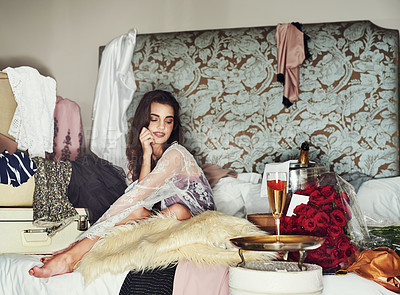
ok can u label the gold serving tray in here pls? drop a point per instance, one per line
(288, 243)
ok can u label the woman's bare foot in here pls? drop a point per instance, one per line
(57, 265)
(63, 262)
(48, 258)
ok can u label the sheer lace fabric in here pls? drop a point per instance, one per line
(176, 179)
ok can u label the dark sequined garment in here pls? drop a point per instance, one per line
(51, 206)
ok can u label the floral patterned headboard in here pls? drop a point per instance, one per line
(232, 111)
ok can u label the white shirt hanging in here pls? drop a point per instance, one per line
(114, 92)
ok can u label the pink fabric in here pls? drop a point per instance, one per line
(69, 141)
(201, 280)
(291, 54)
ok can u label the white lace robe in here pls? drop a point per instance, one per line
(176, 179)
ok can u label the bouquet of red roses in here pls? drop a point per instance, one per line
(332, 212)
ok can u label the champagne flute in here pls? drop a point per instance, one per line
(276, 187)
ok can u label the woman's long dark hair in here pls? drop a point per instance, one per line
(141, 119)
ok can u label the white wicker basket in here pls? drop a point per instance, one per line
(275, 277)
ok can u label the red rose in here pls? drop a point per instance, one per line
(300, 219)
(342, 242)
(321, 250)
(336, 254)
(322, 219)
(321, 232)
(311, 212)
(349, 251)
(327, 208)
(338, 218)
(338, 200)
(331, 197)
(284, 219)
(316, 194)
(308, 224)
(335, 231)
(308, 190)
(329, 241)
(318, 199)
(300, 209)
(288, 225)
(328, 252)
(327, 190)
(313, 257)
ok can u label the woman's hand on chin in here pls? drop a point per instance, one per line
(147, 140)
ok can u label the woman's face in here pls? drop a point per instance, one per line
(161, 121)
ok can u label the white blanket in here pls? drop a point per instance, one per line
(15, 280)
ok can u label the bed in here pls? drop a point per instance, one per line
(233, 117)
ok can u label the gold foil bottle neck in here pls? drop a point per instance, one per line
(303, 158)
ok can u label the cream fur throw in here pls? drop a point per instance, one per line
(161, 240)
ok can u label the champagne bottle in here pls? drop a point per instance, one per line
(303, 158)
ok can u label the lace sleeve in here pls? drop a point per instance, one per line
(171, 164)
(176, 161)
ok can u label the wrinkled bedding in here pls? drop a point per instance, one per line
(14, 279)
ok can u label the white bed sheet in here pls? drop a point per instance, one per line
(351, 284)
(15, 280)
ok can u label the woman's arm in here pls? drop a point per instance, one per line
(170, 164)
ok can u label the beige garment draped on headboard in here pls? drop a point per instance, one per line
(8, 104)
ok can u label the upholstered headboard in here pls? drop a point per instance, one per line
(232, 111)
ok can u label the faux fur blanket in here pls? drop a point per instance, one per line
(162, 240)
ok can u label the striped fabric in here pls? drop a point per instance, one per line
(15, 169)
(158, 281)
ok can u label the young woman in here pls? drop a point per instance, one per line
(167, 179)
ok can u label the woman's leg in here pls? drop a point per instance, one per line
(64, 261)
(180, 211)
(138, 214)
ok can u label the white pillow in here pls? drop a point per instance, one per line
(240, 196)
(251, 193)
(228, 198)
(379, 200)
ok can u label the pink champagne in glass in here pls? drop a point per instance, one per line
(276, 187)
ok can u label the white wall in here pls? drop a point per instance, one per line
(61, 37)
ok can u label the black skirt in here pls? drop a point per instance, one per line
(154, 282)
(95, 184)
